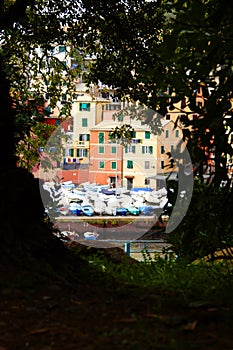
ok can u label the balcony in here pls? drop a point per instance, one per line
(81, 144)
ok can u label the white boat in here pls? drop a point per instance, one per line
(152, 198)
(90, 235)
(75, 208)
(63, 210)
(67, 184)
(99, 207)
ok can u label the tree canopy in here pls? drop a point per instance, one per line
(155, 52)
(159, 53)
(30, 70)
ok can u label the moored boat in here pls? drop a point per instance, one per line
(121, 211)
(90, 235)
(133, 210)
(87, 210)
(75, 209)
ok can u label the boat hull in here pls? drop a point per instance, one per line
(88, 210)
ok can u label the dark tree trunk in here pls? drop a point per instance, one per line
(21, 207)
(7, 126)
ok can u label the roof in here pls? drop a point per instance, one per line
(110, 124)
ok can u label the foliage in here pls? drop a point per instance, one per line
(155, 52)
(212, 282)
(207, 226)
(29, 33)
(159, 53)
(30, 148)
(122, 134)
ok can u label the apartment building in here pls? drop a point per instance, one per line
(136, 164)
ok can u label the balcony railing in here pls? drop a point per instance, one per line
(81, 144)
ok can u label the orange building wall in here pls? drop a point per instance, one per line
(101, 176)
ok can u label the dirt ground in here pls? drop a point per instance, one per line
(88, 311)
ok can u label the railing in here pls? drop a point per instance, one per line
(150, 246)
(81, 143)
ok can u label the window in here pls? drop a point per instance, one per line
(133, 134)
(85, 107)
(113, 165)
(85, 152)
(147, 181)
(84, 122)
(162, 164)
(129, 164)
(52, 49)
(101, 165)
(113, 107)
(166, 133)
(113, 149)
(147, 149)
(147, 164)
(177, 133)
(147, 135)
(172, 148)
(62, 49)
(101, 149)
(130, 149)
(168, 117)
(162, 150)
(84, 137)
(70, 128)
(101, 137)
(71, 152)
(63, 98)
(172, 163)
(82, 152)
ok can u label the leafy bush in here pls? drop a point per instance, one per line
(202, 282)
(207, 227)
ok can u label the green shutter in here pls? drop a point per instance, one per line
(84, 122)
(101, 137)
(133, 134)
(143, 149)
(133, 149)
(129, 164)
(71, 152)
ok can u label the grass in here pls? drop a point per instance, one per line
(200, 282)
